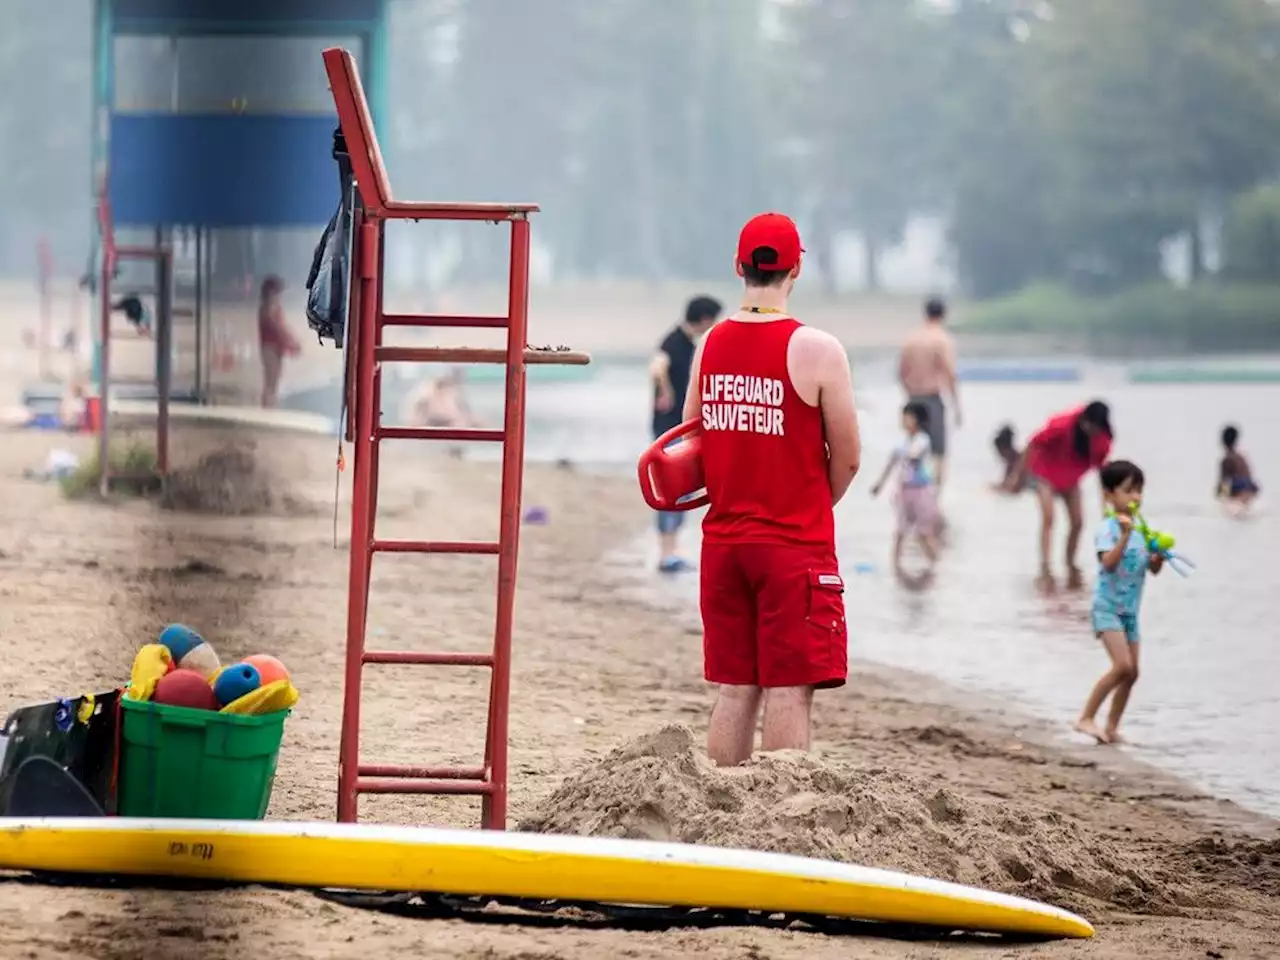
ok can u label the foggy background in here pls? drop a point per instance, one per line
(1092, 162)
(1083, 177)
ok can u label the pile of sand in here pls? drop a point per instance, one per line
(662, 787)
(230, 481)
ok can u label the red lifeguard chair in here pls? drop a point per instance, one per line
(366, 355)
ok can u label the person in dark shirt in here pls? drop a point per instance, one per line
(669, 374)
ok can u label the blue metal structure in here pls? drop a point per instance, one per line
(212, 116)
(209, 117)
(225, 154)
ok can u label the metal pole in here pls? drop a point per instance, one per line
(44, 258)
(494, 812)
(199, 315)
(365, 260)
(104, 369)
(164, 357)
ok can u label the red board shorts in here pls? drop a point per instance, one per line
(773, 616)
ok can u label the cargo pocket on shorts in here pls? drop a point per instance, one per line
(826, 601)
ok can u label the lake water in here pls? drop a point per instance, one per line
(1206, 706)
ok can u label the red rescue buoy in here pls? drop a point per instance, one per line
(671, 470)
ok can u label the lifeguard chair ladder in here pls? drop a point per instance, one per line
(162, 256)
(366, 355)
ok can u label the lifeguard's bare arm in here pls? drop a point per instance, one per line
(839, 417)
(693, 396)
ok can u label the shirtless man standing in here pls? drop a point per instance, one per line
(927, 370)
(780, 447)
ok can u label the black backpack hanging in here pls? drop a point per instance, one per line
(330, 265)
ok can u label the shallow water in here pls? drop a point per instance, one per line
(1206, 705)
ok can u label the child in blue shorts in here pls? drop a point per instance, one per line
(1123, 562)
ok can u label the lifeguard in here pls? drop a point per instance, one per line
(780, 447)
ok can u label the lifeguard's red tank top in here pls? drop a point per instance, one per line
(763, 448)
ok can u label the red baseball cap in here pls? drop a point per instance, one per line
(775, 232)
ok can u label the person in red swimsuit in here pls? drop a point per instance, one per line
(1057, 458)
(275, 340)
(780, 447)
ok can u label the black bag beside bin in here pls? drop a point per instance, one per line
(55, 764)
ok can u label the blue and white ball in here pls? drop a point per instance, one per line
(190, 651)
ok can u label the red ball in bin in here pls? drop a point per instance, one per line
(185, 688)
(269, 668)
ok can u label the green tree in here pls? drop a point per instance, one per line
(671, 136)
(990, 149)
(1251, 237)
(868, 82)
(1154, 110)
(44, 54)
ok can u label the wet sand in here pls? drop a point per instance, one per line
(84, 584)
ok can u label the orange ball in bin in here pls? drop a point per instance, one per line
(270, 669)
(185, 688)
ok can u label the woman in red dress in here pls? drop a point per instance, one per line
(1057, 458)
(275, 340)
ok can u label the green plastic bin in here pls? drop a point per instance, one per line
(181, 762)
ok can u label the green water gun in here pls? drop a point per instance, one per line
(1158, 542)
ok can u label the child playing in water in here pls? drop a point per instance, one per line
(1235, 480)
(916, 500)
(1123, 562)
(1009, 455)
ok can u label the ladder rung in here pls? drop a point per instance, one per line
(456, 787)
(442, 320)
(532, 355)
(435, 546)
(439, 355)
(429, 660)
(439, 433)
(423, 773)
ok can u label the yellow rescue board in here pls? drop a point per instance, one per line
(543, 866)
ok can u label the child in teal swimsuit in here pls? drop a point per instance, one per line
(1123, 563)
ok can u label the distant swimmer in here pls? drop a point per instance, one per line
(669, 372)
(441, 403)
(916, 496)
(927, 371)
(1236, 485)
(1057, 459)
(1124, 561)
(1006, 448)
(780, 447)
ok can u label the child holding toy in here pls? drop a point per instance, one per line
(916, 500)
(1124, 559)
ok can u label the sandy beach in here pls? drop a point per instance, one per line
(607, 717)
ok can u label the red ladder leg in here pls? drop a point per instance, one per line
(364, 309)
(493, 812)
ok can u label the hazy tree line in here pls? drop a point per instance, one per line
(1059, 140)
